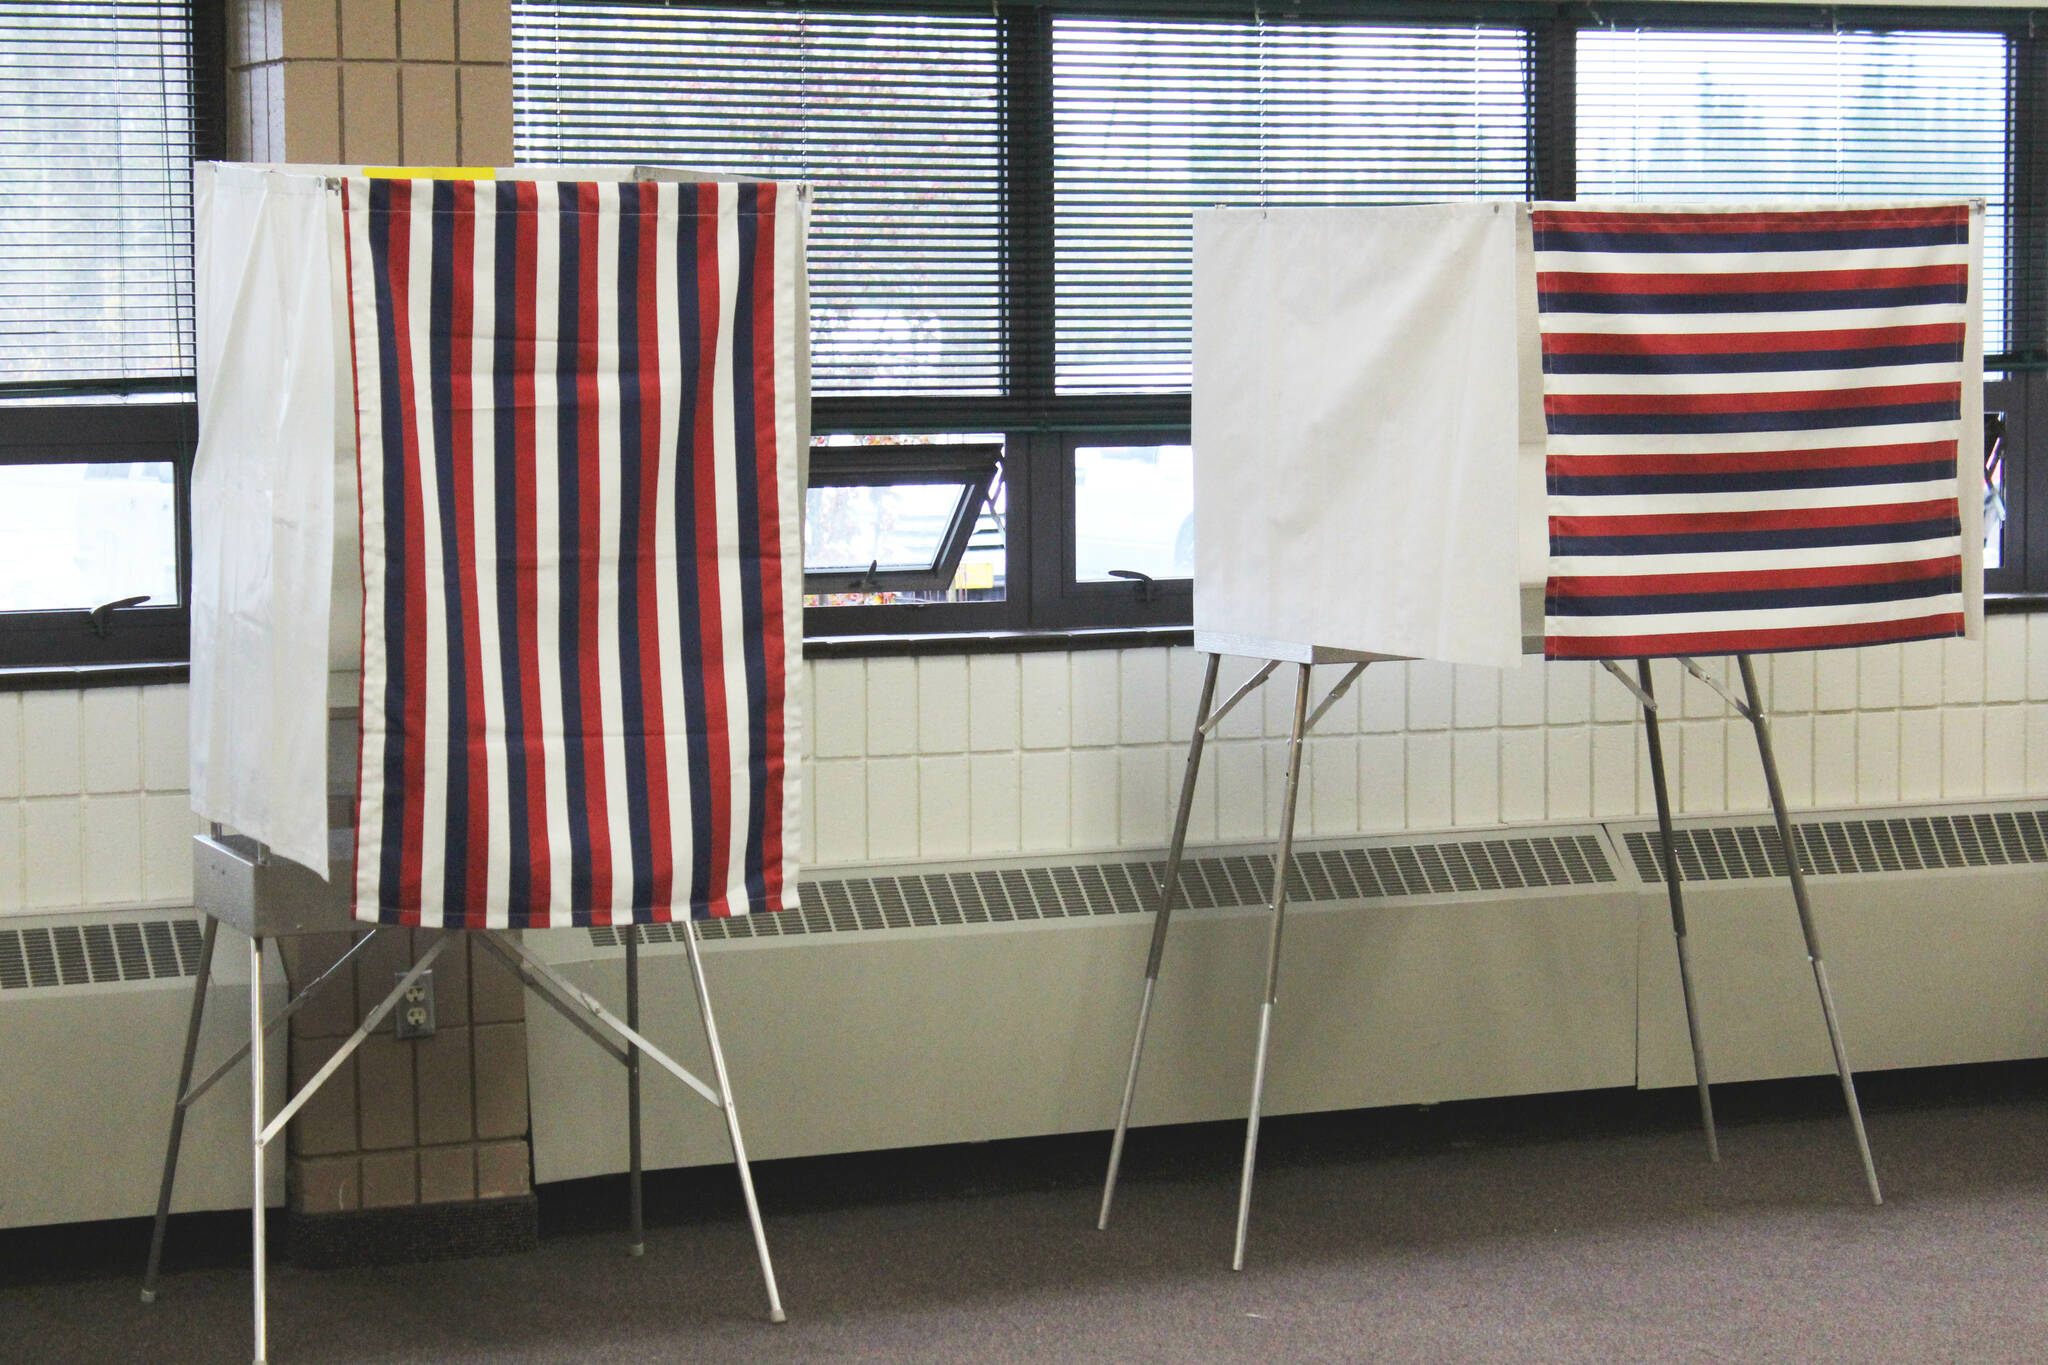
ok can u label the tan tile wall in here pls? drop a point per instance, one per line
(423, 83)
(426, 1121)
(371, 82)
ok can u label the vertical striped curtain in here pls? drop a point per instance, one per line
(1754, 420)
(577, 436)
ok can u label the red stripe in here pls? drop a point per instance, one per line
(590, 356)
(462, 437)
(653, 649)
(1798, 400)
(710, 626)
(1760, 580)
(1937, 626)
(1747, 343)
(1744, 281)
(413, 528)
(1748, 461)
(768, 490)
(1767, 519)
(1595, 220)
(525, 573)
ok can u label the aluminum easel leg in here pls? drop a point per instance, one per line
(258, 1251)
(1674, 891)
(638, 1246)
(1169, 885)
(1797, 875)
(177, 1138)
(732, 1125)
(1287, 807)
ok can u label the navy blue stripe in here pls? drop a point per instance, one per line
(1688, 423)
(440, 335)
(390, 862)
(1755, 362)
(1848, 476)
(632, 703)
(1829, 239)
(568, 492)
(1763, 301)
(1729, 542)
(747, 483)
(690, 626)
(1772, 599)
(505, 490)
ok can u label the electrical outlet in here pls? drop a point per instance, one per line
(414, 1016)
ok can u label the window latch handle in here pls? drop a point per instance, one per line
(102, 625)
(1148, 591)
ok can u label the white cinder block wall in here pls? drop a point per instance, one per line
(952, 757)
(1044, 753)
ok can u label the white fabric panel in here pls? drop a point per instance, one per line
(1970, 461)
(263, 493)
(1355, 429)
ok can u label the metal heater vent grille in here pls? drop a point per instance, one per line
(1912, 843)
(89, 954)
(1007, 895)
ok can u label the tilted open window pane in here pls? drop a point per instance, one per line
(96, 138)
(1757, 116)
(895, 119)
(78, 536)
(893, 524)
(1153, 120)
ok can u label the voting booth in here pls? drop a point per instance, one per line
(497, 574)
(1459, 431)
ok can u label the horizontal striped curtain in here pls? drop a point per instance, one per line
(577, 446)
(1754, 425)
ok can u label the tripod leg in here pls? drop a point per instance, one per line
(732, 1126)
(258, 1251)
(638, 1246)
(177, 1138)
(1287, 807)
(1169, 885)
(1674, 890)
(1806, 925)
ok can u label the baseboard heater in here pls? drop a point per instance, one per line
(960, 1002)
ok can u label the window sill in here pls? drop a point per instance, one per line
(994, 642)
(46, 679)
(2014, 603)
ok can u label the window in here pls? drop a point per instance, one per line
(99, 124)
(1675, 114)
(1001, 240)
(1678, 113)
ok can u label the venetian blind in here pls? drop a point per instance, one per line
(1761, 116)
(896, 119)
(96, 145)
(1152, 120)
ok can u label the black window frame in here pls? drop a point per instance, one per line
(119, 422)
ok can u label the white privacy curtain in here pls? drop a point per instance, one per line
(1355, 429)
(275, 435)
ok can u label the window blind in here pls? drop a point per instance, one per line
(1153, 120)
(1674, 115)
(96, 146)
(896, 119)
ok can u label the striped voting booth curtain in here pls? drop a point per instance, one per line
(575, 443)
(1753, 423)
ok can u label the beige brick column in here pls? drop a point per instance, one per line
(371, 82)
(441, 1122)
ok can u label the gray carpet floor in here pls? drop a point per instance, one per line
(1383, 1237)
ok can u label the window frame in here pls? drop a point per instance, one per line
(973, 466)
(60, 422)
(157, 433)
